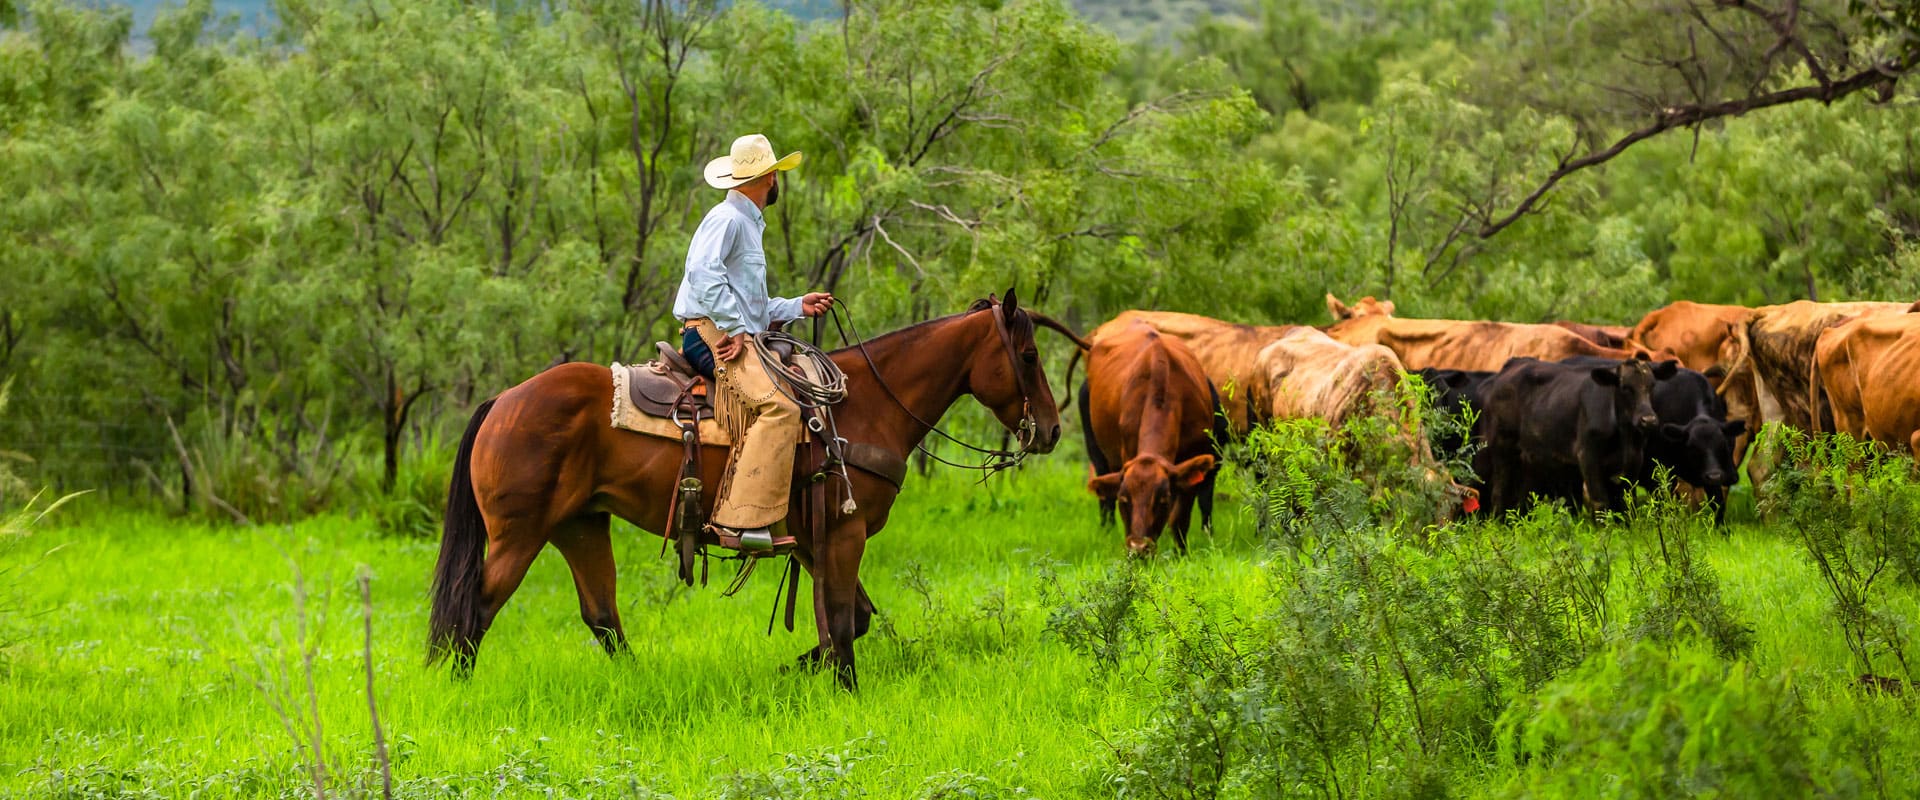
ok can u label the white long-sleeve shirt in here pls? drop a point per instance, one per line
(726, 279)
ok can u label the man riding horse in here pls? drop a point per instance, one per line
(722, 303)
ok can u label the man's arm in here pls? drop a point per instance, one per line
(707, 274)
(784, 309)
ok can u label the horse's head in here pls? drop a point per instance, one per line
(1005, 375)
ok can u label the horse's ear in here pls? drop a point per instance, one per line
(1011, 303)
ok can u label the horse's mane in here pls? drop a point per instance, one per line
(979, 305)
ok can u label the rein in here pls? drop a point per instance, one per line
(996, 459)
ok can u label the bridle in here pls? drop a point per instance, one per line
(996, 459)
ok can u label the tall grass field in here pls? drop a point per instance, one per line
(1018, 654)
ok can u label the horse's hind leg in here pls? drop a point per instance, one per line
(588, 547)
(508, 555)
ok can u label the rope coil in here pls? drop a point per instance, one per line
(802, 387)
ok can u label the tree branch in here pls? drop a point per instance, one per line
(1881, 74)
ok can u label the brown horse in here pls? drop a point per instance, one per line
(541, 464)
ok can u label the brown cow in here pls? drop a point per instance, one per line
(1311, 375)
(1868, 367)
(1692, 332)
(1148, 415)
(1228, 351)
(1455, 344)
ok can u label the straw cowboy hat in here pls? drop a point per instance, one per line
(752, 157)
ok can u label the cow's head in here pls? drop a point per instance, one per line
(1632, 383)
(1147, 490)
(1707, 450)
(1367, 306)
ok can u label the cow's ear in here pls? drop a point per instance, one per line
(1716, 372)
(1735, 428)
(1665, 370)
(1337, 308)
(1106, 486)
(1676, 434)
(1457, 379)
(1605, 376)
(1386, 307)
(1191, 472)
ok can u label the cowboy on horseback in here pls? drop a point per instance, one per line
(722, 304)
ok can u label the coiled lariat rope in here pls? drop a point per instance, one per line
(800, 386)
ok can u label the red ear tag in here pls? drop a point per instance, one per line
(1472, 504)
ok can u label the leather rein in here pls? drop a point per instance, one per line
(996, 459)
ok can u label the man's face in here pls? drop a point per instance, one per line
(773, 187)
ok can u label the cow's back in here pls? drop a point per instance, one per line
(1311, 375)
(1146, 389)
(1226, 352)
(1483, 346)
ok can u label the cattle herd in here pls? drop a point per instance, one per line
(1563, 411)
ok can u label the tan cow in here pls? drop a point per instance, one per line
(1457, 344)
(1311, 375)
(1228, 351)
(1869, 368)
(1775, 350)
(1770, 363)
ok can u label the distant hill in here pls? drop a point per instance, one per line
(1128, 18)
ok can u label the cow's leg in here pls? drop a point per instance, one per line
(1497, 466)
(1205, 496)
(1595, 478)
(1095, 459)
(588, 548)
(1717, 495)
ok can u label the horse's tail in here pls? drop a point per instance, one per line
(455, 619)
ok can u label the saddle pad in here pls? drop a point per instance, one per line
(627, 416)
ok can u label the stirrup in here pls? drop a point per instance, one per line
(757, 542)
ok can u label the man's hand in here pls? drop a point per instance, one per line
(731, 346)
(816, 303)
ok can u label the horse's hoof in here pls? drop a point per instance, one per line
(806, 662)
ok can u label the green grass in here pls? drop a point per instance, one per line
(135, 674)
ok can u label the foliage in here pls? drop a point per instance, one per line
(1652, 722)
(1855, 511)
(1387, 656)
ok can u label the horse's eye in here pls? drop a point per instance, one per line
(1030, 356)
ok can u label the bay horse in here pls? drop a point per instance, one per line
(541, 463)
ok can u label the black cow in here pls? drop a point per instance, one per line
(1454, 391)
(1695, 440)
(1550, 426)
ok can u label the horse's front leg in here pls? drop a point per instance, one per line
(838, 602)
(862, 622)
